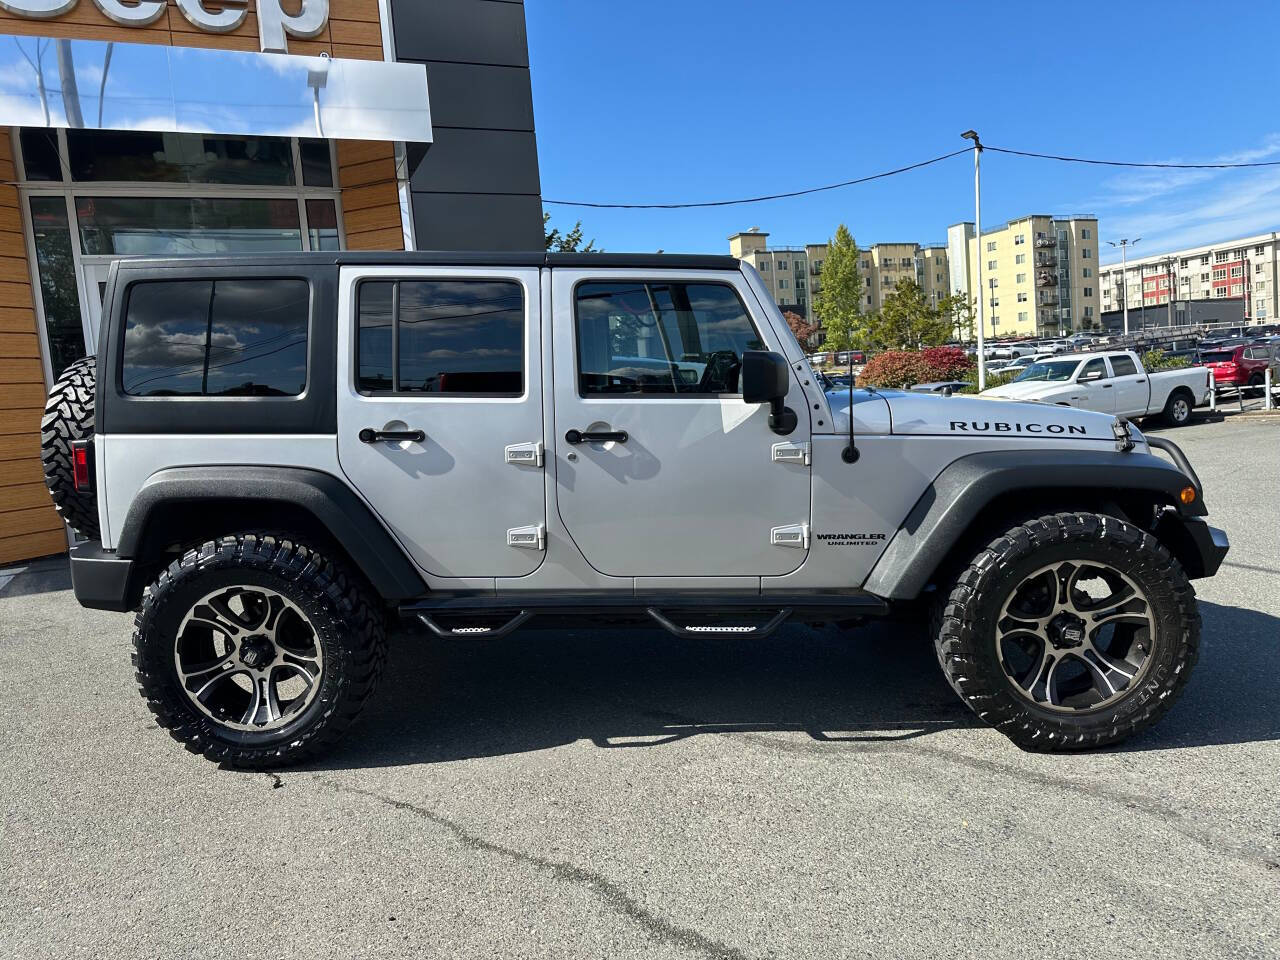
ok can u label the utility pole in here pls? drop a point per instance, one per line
(977, 244)
(1124, 277)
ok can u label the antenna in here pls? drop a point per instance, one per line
(850, 453)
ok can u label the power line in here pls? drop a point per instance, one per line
(773, 196)
(1131, 163)
(915, 166)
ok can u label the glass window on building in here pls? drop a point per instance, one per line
(184, 226)
(59, 294)
(132, 156)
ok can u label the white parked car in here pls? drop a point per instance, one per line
(1113, 382)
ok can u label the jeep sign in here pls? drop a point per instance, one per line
(274, 25)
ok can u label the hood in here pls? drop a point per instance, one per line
(1026, 389)
(926, 414)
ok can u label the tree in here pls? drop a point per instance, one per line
(907, 321)
(963, 313)
(800, 327)
(570, 242)
(838, 303)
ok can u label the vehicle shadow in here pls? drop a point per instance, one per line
(442, 701)
(46, 575)
(635, 688)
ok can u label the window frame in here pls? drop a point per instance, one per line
(738, 292)
(403, 395)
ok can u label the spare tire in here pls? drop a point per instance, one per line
(68, 416)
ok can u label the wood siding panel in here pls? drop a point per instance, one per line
(19, 345)
(374, 195)
(16, 320)
(24, 496)
(21, 420)
(391, 238)
(21, 396)
(21, 370)
(32, 545)
(21, 471)
(19, 447)
(18, 522)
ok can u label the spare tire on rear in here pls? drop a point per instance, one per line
(68, 416)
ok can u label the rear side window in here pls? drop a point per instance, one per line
(1123, 366)
(441, 336)
(661, 337)
(216, 338)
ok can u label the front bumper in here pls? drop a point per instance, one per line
(101, 580)
(1211, 545)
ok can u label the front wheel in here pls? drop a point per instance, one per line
(256, 651)
(1070, 632)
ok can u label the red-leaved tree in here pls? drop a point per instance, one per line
(802, 329)
(904, 368)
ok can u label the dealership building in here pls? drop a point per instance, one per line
(195, 127)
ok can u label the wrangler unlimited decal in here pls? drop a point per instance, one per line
(852, 539)
(987, 426)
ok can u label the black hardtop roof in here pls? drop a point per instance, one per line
(448, 258)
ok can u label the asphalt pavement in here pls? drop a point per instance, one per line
(625, 794)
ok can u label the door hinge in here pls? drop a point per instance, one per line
(532, 537)
(528, 454)
(792, 453)
(792, 535)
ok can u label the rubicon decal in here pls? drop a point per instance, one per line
(994, 426)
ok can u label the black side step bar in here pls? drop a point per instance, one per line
(488, 617)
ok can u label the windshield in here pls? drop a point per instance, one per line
(1048, 370)
(1217, 356)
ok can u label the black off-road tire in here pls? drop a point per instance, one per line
(68, 416)
(1178, 408)
(965, 635)
(348, 628)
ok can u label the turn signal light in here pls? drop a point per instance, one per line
(1187, 495)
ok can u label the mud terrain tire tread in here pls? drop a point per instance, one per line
(342, 604)
(68, 416)
(973, 669)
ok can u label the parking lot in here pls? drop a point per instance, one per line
(594, 794)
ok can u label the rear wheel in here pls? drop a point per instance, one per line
(1070, 632)
(68, 416)
(1177, 411)
(256, 651)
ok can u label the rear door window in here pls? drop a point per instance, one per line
(1123, 366)
(224, 337)
(441, 336)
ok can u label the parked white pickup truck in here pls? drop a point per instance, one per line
(1114, 382)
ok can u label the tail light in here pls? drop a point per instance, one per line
(82, 464)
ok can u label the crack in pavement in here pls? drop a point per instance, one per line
(1206, 838)
(608, 891)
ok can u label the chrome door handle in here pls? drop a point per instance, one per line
(596, 436)
(370, 435)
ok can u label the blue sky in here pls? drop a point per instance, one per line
(661, 101)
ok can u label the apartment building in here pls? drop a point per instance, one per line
(1247, 269)
(1039, 273)
(793, 274)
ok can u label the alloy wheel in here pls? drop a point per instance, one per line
(1075, 636)
(248, 658)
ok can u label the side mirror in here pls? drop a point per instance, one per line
(765, 379)
(1089, 377)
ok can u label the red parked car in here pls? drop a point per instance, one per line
(1242, 365)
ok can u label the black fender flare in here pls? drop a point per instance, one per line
(329, 500)
(967, 485)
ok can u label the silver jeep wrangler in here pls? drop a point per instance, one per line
(271, 458)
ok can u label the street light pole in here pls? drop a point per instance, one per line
(1124, 278)
(977, 244)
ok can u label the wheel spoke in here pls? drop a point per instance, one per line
(1132, 611)
(205, 690)
(200, 669)
(1065, 581)
(216, 613)
(272, 697)
(255, 703)
(1110, 664)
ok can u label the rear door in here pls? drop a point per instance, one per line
(440, 412)
(1132, 387)
(695, 483)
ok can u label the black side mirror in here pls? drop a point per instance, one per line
(765, 379)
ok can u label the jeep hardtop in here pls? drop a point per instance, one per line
(270, 459)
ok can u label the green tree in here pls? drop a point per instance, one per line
(964, 315)
(838, 302)
(570, 242)
(907, 321)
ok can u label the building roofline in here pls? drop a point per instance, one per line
(1272, 236)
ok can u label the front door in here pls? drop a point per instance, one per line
(693, 483)
(440, 412)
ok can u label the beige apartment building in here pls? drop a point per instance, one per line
(1247, 268)
(793, 274)
(1039, 274)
